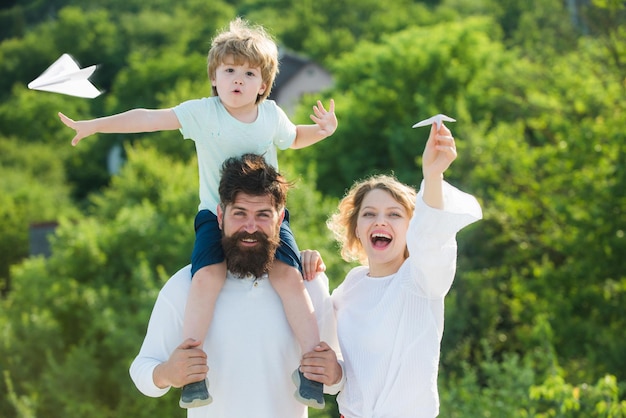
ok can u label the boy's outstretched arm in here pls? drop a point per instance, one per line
(132, 121)
(325, 125)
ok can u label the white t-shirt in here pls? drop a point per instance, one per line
(250, 348)
(390, 328)
(219, 136)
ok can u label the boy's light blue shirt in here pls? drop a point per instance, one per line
(219, 136)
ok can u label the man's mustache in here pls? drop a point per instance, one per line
(254, 236)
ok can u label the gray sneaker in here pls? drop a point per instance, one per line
(308, 392)
(195, 394)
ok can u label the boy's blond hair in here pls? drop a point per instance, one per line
(245, 44)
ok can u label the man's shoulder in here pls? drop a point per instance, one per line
(178, 284)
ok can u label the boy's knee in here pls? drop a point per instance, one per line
(285, 275)
(210, 273)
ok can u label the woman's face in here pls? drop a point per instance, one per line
(381, 227)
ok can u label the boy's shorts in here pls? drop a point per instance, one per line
(207, 249)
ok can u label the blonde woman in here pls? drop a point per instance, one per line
(390, 310)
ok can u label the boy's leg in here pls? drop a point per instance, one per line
(288, 283)
(206, 285)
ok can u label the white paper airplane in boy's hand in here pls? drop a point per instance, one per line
(66, 77)
(435, 119)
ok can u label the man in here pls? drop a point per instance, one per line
(250, 346)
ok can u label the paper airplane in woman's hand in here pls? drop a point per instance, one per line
(66, 77)
(435, 119)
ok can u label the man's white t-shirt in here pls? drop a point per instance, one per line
(250, 348)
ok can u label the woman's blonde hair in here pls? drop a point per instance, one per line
(245, 44)
(343, 222)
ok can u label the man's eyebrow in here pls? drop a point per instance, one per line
(245, 209)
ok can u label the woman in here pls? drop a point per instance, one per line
(390, 309)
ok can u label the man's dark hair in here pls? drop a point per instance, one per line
(252, 175)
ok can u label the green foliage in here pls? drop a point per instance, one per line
(382, 89)
(510, 388)
(556, 398)
(325, 29)
(546, 227)
(309, 210)
(95, 293)
(31, 179)
(490, 389)
(82, 334)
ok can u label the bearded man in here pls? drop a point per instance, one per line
(250, 347)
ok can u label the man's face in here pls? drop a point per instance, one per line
(250, 228)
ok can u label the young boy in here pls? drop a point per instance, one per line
(242, 66)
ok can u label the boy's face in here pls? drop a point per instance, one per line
(238, 85)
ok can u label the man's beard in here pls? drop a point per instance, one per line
(255, 260)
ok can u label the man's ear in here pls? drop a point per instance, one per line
(220, 216)
(281, 216)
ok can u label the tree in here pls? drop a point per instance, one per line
(382, 89)
(31, 178)
(72, 323)
(551, 188)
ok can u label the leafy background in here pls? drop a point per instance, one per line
(535, 319)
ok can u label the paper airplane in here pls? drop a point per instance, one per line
(66, 77)
(435, 119)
